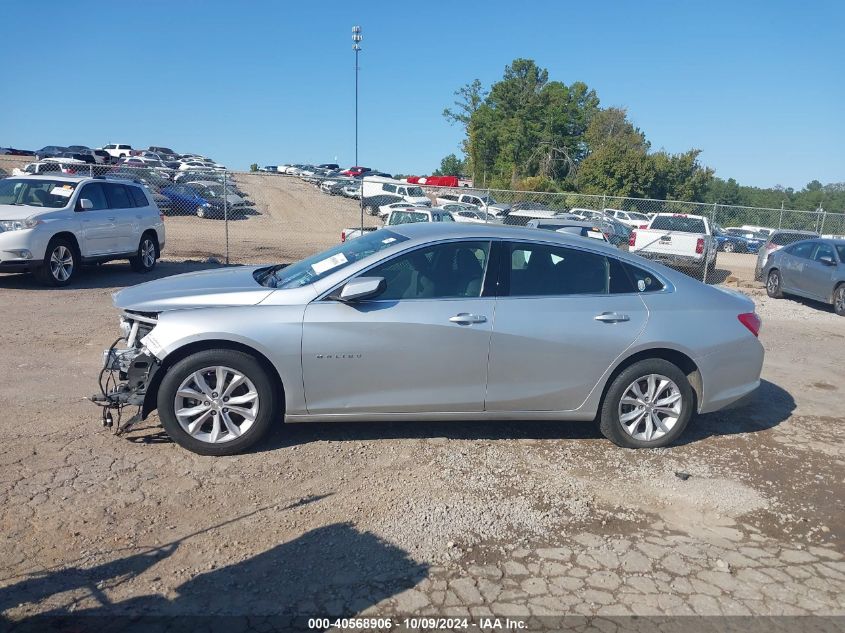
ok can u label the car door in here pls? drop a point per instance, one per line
(123, 216)
(419, 346)
(98, 223)
(563, 316)
(818, 276)
(792, 262)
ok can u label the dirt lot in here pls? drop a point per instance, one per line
(397, 519)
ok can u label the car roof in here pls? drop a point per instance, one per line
(558, 222)
(428, 231)
(53, 176)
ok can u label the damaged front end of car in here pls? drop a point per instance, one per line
(129, 369)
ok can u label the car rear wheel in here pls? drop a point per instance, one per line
(839, 300)
(60, 263)
(145, 259)
(773, 285)
(217, 402)
(648, 405)
(728, 247)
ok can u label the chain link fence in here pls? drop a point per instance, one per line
(258, 217)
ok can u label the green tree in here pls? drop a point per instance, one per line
(451, 165)
(253, 167)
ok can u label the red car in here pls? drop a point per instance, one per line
(355, 171)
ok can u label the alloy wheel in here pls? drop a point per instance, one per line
(148, 253)
(650, 407)
(61, 263)
(216, 404)
(839, 300)
(773, 283)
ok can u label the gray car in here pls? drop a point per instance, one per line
(814, 269)
(776, 241)
(434, 321)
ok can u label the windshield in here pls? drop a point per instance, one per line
(678, 223)
(53, 194)
(314, 268)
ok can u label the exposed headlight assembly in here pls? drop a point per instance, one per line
(18, 225)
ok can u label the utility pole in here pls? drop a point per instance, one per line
(356, 46)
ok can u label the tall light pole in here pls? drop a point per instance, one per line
(356, 46)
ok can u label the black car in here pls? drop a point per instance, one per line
(49, 151)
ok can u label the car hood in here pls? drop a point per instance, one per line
(22, 212)
(234, 286)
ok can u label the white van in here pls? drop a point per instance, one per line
(377, 191)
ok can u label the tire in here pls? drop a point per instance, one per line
(613, 410)
(61, 261)
(774, 284)
(201, 213)
(839, 300)
(147, 255)
(728, 247)
(257, 383)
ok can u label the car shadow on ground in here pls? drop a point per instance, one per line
(332, 570)
(118, 274)
(769, 406)
(810, 303)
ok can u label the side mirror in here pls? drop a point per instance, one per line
(85, 204)
(361, 288)
(827, 260)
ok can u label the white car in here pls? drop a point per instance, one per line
(485, 202)
(117, 150)
(385, 209)
(48, 166)
(468, 213)
(52, 224)
(633, 219)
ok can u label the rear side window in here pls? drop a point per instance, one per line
(642, 280)
(138, 196)
(802, 250)
(94, 192)
(389, 188)
(118, 196)
(782, 239)
(536, 270)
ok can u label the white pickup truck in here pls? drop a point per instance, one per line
(676, 239)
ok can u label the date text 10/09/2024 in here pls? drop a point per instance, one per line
(416, 623)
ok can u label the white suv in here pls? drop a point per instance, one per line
(52, 224)
(117, 150)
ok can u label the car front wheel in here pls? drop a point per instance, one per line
(648, 405)
(217, 402)
(60, 263)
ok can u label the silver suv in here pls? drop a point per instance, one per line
(52, 224)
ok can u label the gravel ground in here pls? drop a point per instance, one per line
(506, 518)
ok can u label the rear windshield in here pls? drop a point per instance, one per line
(678, 223)
(782, 239)
(314, 268)
(52, 194)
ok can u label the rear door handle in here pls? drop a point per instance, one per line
(110, 219)
(612, 317)
(465, 318)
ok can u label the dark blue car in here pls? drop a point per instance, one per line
(731, 243)
(186, 199)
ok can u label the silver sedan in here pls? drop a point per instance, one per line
(434, 322)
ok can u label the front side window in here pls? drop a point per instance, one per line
(442, 271)
(94, 192)
(824, 250)
(389, 188)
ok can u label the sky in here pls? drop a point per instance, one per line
(758, 86)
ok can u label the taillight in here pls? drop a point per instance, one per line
(343, 236)
(699, 246)
(633, 239)
(770, 248)
(643, 226)
(751, 321)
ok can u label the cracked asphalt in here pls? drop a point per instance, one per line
(743, 517)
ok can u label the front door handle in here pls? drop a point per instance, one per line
(465, 318)
(612, 317)
(110, 219)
